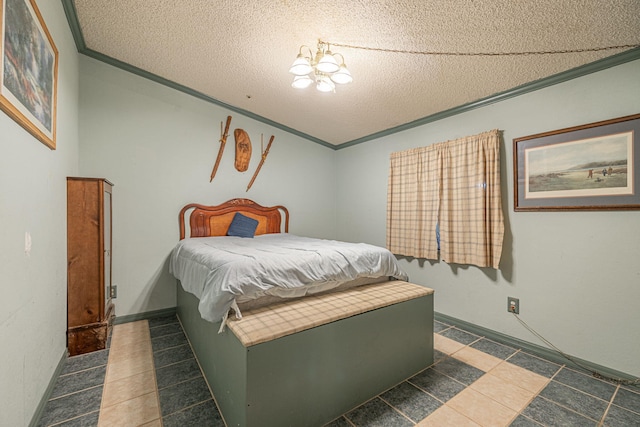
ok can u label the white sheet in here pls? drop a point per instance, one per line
(218, 270)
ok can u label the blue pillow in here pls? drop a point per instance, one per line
(242, 226)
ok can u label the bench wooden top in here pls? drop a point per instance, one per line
(269, 323)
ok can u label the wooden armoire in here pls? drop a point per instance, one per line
(90, 310)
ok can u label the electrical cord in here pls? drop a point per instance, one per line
(595, 374)
(519, 53)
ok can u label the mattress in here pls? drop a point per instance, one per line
(222, 271)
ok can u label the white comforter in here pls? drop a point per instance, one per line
(218, 270)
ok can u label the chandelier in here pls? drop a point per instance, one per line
(323, 69)
(326, 71)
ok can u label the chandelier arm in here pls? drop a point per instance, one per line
(523, 53)
(308, 48)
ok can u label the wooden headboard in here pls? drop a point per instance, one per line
(206, 221)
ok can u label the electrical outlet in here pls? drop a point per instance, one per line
(513, 305)
(114, 292)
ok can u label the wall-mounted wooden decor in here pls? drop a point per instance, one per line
(28, 69)
(265, 153)
(243, 150)
(223, 141)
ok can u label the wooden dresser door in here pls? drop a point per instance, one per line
(107, 247)
(89, 307)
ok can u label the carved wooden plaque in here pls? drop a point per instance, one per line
(243, 150)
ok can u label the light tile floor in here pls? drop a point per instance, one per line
(148, 376)
(130, 395)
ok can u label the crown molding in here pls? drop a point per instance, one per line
(76, 31)
(602, 64)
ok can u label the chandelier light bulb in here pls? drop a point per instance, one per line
(328, 63)
(324, 84)
(301, 66)
(301, 82)
(342, 76)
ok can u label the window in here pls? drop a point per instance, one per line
(452, 186)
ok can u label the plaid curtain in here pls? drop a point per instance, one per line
(455, 185)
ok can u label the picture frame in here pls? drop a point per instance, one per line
(28, 70)
(588, 167)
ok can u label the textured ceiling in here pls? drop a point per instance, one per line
(239, 52)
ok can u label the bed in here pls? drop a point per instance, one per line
(289, 355)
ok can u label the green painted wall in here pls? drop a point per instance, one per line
(574, 272)
(158, 146)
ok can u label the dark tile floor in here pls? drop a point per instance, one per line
(183, 393)
(563, 397)
(77, 394)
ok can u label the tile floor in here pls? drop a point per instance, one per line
(148, 376)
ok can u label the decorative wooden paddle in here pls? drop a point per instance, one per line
(264, 157)
(223, 141)
(243, 150)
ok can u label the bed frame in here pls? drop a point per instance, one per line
(205, 221)
(311, 377)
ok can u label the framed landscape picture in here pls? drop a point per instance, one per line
(588, 167)
(28, 69)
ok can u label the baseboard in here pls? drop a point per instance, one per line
(47, 393)
(535, 349)
(144, 316)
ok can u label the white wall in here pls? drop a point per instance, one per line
(576, 273)
(158, 147)
(33, 306)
